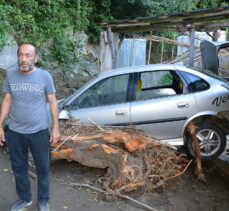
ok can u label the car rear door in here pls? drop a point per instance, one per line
(160, 105)
(105, 102)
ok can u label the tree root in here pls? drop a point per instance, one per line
(133, 160)
(192, 131)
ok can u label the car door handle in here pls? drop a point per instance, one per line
(182, 105)
(121, 113)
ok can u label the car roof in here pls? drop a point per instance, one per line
(137, 68)
(154, 67)
(151, 67)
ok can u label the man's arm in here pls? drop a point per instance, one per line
(6, 103)
(55, 134)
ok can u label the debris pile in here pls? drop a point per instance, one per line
(133, 160)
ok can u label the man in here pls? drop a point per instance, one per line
(26, 93)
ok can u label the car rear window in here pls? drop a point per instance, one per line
(196, 83)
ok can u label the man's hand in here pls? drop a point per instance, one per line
(2, 137)
(55, 135)
(6, 103)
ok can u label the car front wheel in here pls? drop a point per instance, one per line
(212, 141)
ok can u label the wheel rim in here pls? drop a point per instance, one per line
(209, 142)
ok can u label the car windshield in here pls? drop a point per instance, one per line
(65, 101)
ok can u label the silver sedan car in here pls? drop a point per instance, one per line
(161, 100)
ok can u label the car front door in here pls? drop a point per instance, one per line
(160, 105)
(106, 102)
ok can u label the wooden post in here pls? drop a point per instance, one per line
(173, 46)
(150, 47)
(192, 47)
(113, 42)
(162, 50)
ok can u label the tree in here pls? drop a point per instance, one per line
(211, 3)
(140, 8)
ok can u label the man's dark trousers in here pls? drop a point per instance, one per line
(39, 145)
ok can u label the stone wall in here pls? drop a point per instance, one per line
(8, 55)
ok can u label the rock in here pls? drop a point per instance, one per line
(8, 56)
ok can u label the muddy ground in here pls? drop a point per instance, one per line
(182, 194)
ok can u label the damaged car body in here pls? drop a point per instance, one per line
(160, 99)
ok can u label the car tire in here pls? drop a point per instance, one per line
(212, 141)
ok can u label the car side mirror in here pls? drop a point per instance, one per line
(64, 114)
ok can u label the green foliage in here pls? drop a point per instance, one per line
(140, 8)
(5, 27)
(100, 12)
(42, 21)
(211, 3)
(66, 51)
(36, 22)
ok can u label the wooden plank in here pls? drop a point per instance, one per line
(113, 46)
(222, 12)
(163, 39)
(200, 23)
(175, 22)
(162, 51)
(209, 26)
(150, 47)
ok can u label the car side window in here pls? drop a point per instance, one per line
(195, 83)
(108, 91)
(155, 84)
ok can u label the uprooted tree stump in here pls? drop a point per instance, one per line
(133, 159)
(191, 128)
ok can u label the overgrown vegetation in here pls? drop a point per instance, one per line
(55, 21)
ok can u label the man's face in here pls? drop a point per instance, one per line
(27, 58)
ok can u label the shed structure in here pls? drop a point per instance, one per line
(206, 20)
